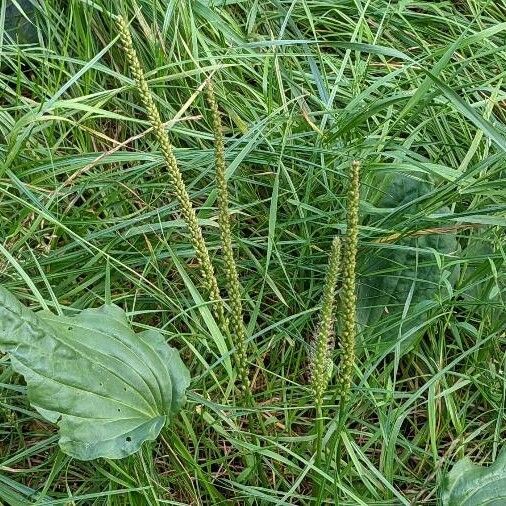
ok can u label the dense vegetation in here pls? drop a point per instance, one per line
(88, 216)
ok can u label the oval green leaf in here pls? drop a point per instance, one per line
(400, 281)
(108, 388)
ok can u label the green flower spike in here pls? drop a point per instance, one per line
(320, 361)
(236, 323)
(176, 180)
(348, 291)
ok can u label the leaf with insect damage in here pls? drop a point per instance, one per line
(107, 388)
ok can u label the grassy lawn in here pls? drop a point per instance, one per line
(414, 90)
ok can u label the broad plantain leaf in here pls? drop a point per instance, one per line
(468, 484)
(401, 280)
(108, 388)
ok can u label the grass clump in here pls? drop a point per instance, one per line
(87, 215)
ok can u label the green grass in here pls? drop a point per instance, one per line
(86, 216)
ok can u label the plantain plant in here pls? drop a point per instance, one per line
(138, 382)
(236, 330)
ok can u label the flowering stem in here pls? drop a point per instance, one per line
(348, 292)
(320, 360)
(237, 330)
(176, 180)
(348, 309)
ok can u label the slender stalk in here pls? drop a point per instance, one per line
(176, 179)
(236, 322)
(320, 360)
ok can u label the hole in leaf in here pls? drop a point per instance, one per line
(128, 438)
(119, 410)
(69, 328)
